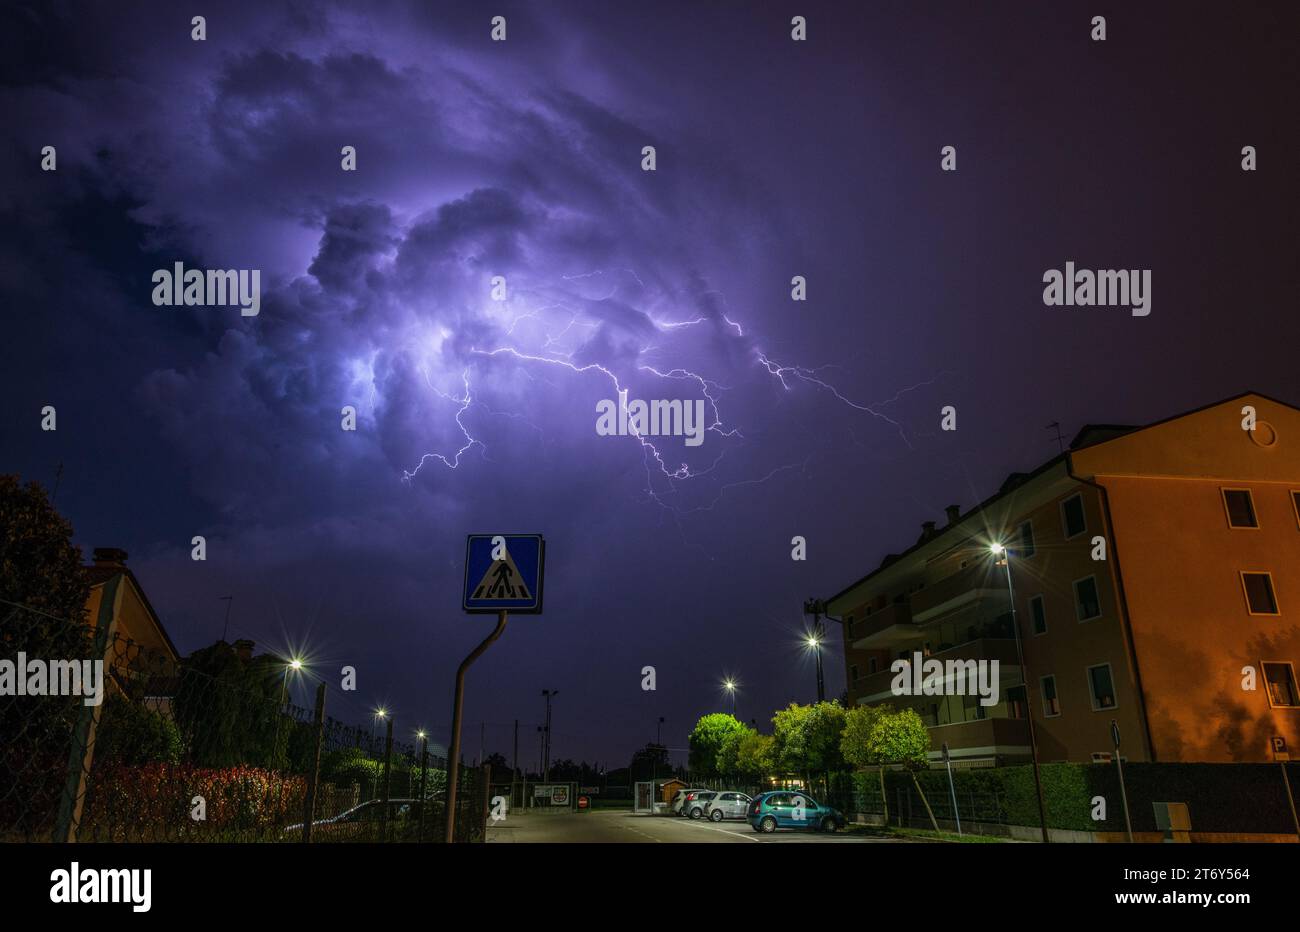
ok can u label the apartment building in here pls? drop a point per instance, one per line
(1156, 581)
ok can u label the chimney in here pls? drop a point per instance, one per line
(244, 649)
(954, 514)
(927, 530)
(109, 556)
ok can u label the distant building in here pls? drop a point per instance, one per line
(1196, 600)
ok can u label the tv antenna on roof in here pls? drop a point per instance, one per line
(1060, 441)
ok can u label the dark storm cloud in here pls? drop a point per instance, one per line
(522, 161)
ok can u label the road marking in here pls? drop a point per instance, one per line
(728, 831)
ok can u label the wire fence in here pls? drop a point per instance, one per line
(106, 739)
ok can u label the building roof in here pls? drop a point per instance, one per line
(1088, 436)
(99, 573)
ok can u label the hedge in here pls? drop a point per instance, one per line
(1220, 797)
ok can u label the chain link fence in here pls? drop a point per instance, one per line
(105, 739)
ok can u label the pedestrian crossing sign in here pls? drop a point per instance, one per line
(503, 572)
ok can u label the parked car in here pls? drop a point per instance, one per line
(792, 809)
(679, 800)
(727, 805)
(364, 822)
(696, 802)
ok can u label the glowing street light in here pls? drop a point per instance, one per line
(730, 686)
(1003, 555)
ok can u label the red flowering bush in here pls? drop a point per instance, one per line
(156, 802)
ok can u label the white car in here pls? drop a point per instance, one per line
(679, 800)
(696, 802)
(728, 804)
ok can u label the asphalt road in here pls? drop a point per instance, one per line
(621, 827)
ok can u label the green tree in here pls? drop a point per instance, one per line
(228, 709)
(807, 739)
(706, 741)
(788, 734)
(902, 738)
(856, 744)
(729, 752)
(43, 592)
(755, 755)
(132, 734)
(40, 569)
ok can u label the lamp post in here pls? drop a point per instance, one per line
(295, 665)
(380, 712)
(730, 686)
(816, 607)
(1004, 555)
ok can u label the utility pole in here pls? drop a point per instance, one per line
(228, 599)
(546, 762)
(514, 765)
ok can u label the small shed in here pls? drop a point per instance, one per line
(668, 788)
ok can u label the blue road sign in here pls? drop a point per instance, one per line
(504, 572)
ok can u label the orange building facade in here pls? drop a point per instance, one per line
(1156, 576)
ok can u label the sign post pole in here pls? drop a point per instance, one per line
(952, 788)
(453, 755)
(503, 574)
(1123, 793)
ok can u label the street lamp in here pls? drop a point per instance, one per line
(730, 686)
(816, 608)
(295, 665)
(380, 712)
(1003, 555)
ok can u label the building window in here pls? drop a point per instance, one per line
(1295, 503)
(871, 665)
(1280, 678)
(1087, 604)
(853, 673)
(848, 624)
(1039, 614)
(1240, 508)
(1016, 702)
(1102, 687)
(1072, 520)
(1026, 540)
(1259, 593)
(1051, 702)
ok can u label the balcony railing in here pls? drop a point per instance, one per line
(878, 629)
(966, 588)
(1003, 650)
(1004, 734)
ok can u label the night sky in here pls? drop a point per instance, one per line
(522, 159)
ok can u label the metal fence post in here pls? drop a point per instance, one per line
(485, 789)
(309, 804)
(81, 751)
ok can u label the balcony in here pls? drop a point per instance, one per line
(884, 627)
(965, 589)
(876, 686)
(989, 737)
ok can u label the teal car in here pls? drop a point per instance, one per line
(792, 809)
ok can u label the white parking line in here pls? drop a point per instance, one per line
(714, 828)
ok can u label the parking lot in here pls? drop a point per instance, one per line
(624, 827)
